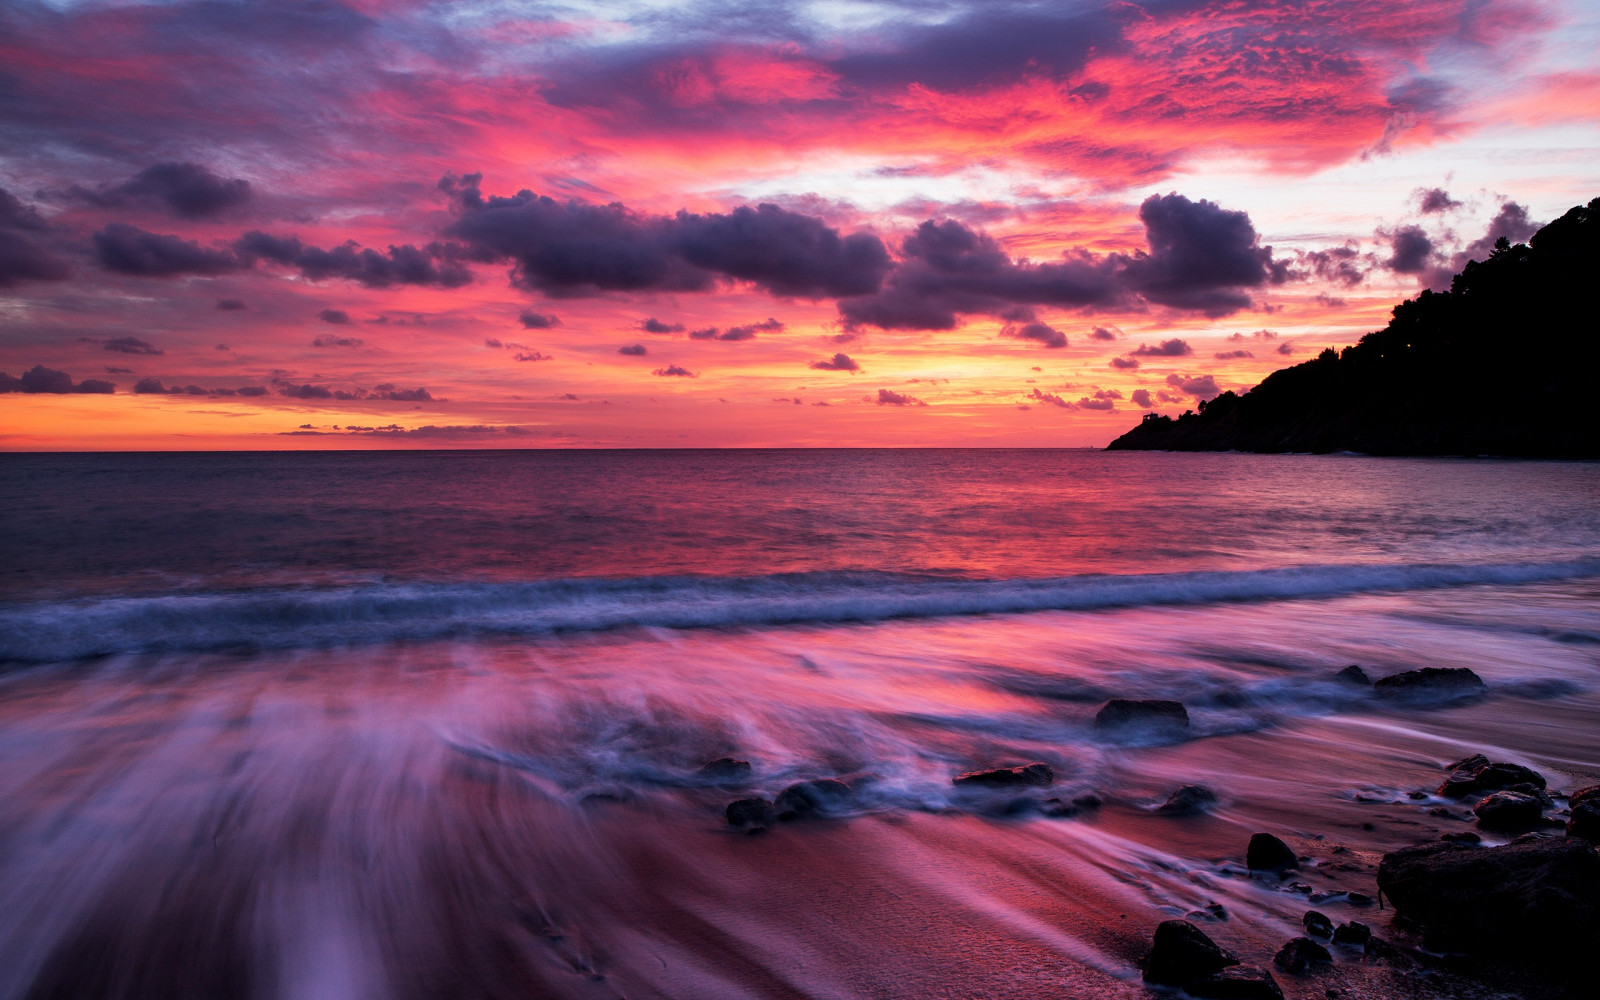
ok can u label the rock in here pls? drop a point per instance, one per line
(1353, 933)
(1590, 793)
(1210, 912)
(807, 799)
(1461, 838)
(1180, 953)
(1317, 924)
(1088, 800)
(1353, 675)
(1008, 777)
(1245, 982)
(1359, 899)
(1123, 714)
(1431, 683)
(725, 770)
(1377, 947)
(1508, 811)
(1533, 900)
(1532, 791)
(1190, 800)
(1477, 774)
(1300, 954)
(1267, 853)
(1585, 820)
(749, 812)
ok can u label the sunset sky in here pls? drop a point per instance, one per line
(624, 223)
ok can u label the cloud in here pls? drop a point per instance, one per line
(1141, 397)
(1125, 363)
(749, 330)
(1511, 223)
(385, 391)
(1049, 336)
(538, 321)
(653, 325)
(575, 248)
(131, 345)
(1341, 264)
(1233, 355)
(633, 350)
(231, 305)
(154, 386)
(126, 249)
(887, 397)
(530, 356)
(1410, 250)
(1432, 200)
(113, 370)
(1050, 398)
(1088, 403)
(336, 316)
(435, 265)
(49, 381)
(185, 189)
(674, 371)
(1173, 348)
(1105, 333)
(838, 363)
(329, 340)
(1285, 348)
(21, 256)
(457, 431)
(1202, 257)
(1199, 386)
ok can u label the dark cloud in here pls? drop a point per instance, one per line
(1199, 386)
(1096, 403)
(493, 342)
(1511, 224)
(1285, 349)
(231, 305)
(1141, 397)
(633, 350)
(338, 317)
(575, 248)
(1050, 398)
(887, 397)
(21, 256)
(653, 325)
(709, 333)
(330, 340)
(1410, 249)
(530, 356)
(1431, 200)
(1341, 264)
(437, 264)
(1049, 336)
(1233, 355)
(113, 370)
(128, 249)
(40, 379)
(1173, 348)
(837, 363)
(749, 330)
(1202, 257)
(131, 345)
(458, 431)
(1125, 363)
(185, 189)
(538, 321)
(1105, 333)
(385, 391)
(674, 371)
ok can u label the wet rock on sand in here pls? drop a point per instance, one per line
(1190, 800)
(1431, 683)
(1354, 675)
(1300, 954)
(808, 799)
(1585, 819)
(1267, 853)
(1509, 811)
(1317, 924)
(1120, 715)
(1181, 953)
(1242, 982)
(1008, 777)
(1532, 901)
(725, 771)
(1478, 774)
(752, 812)
(1354, 933)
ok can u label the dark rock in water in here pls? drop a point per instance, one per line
(1181, 953)
(1190, 800)
(1300, 954)
(1508, 811)
(1245, 982)
(749, 812)
(1317, 924)
(820, 797)
(1534, 900)
(1359, 899)
(1590, 793)
(1431, 682)
(1461, 838)
(1354, 675)
(1121, 714)
(1088, 800)
(1468, 764)
(1355, 933)
(725, 770)
(1006, 777)
(1211, 911)
(1267, 853)
(1477, 774)
(1377, 947)
(1585, 820)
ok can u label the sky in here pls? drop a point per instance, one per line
(629, 223)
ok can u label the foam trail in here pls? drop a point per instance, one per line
(45, 632)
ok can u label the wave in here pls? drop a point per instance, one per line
(277, 618)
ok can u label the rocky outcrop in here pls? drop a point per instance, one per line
(1189, 800)
(1477, 774)
(1038, 775)
(1267, 853)
(812, 799)
(1299, 954)
(1121, 716)
(1431, 683)
(1509, 811)
(1181, 953)
(753, 812)
(1241, 982)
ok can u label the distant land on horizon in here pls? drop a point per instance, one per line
(1440, 379)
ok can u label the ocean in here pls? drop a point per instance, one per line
(431, 724)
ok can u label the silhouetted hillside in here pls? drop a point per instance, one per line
(1505, 363)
